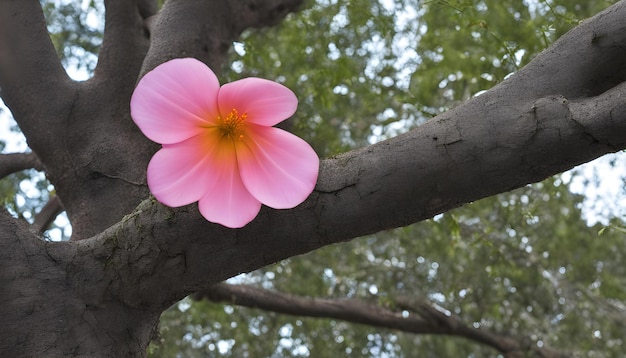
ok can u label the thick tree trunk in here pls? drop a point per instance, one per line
(61, 300)
(101, 297)
(56, 303)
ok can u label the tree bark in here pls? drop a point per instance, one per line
(102, 296)
(52, 305)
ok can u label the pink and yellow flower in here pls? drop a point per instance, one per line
(219, 144)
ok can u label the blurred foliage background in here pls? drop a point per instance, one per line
(540, 262)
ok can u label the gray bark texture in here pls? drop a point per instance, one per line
(101, 294)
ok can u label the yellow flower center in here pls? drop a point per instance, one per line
(231, 125)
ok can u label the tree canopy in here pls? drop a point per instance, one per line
(519, 272)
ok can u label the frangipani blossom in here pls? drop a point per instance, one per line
(219, 146)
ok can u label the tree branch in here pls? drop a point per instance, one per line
(425, 320)
(28, 66)
(196, 28)
(491, 144)
(191, 28)
(125, 41)
(34, 85)
(15, 162)
(48, 213)
(255, 13)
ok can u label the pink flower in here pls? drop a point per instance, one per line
(219, 146)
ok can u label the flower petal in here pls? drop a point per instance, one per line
(228, 202)
(175, 100)
(265, 102)
(277, 167)
(181, 173)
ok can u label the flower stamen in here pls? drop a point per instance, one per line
(231, 125)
